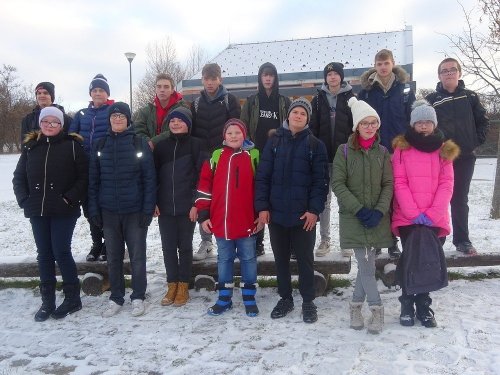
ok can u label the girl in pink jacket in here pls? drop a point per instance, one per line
(423, 185)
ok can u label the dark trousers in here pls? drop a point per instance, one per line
(96, 233)
(177, 244)
(53, 241)
(120, 230)
(259, 236)
(463, 169)
(302, 241)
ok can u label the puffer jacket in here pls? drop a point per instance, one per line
(363, 179)
(91, 123)
(292, 177)
(226, 194)
(321, 123)
(178, 160)
(50, 169)
(209, 119)
(461, 117)
(250, 112)
(145, 121)
(393, 107)
(423, 183)
(30, 121)
(120, 180)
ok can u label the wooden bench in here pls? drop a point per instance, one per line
(205, 271)
(385, 267)
(94, 282)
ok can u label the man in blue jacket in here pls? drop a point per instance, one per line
(122, 198)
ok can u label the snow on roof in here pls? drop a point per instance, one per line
(307, 55)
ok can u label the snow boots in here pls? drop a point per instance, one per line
(224, 302)
(424, 313)
(48, 293)
(182, 295)
(376, 322)
(169, 297)
(248, 294)
(407, 316)
(357, 320)
(72, 302)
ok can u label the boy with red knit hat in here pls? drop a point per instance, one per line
(225, 208)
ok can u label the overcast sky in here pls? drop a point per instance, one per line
(68, 42)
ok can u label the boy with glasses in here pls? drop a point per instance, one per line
(462, 118)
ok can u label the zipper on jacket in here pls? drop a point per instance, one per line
(227, 191)
(237, 176)
(173, 173)
(45, 177)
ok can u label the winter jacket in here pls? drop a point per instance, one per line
(209, 116)
(122, 180)
(461, 117)
(145, 121)
(178, 160)
(250, 112)
(50, 169)
(393, 107)
(422, 265)
(226, 194)
(292, 177)
(321, 124)
(423, 183)
(362, 178)
(30, 121)
(91, 123)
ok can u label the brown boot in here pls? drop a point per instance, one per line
(171, 294)
(182, 294)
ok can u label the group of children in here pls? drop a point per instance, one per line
(233, 191)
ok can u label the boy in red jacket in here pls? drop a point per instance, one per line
(225, 208)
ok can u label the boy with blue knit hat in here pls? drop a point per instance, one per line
(178, 160)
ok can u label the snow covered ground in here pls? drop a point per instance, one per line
(168, 340)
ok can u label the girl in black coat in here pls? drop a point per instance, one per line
(50, 181)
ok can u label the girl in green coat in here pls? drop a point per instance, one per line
(362, 183)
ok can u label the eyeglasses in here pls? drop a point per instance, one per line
(118, 116)
(371, 124)
(448, 71)
(50, 124)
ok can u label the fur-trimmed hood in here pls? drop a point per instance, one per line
(449, 149)
(37, 134)
(368, 76)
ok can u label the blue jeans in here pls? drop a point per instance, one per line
(228, 250)
(118, 231)
(53, 242)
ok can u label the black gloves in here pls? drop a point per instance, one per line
(97, 221)
(145, 220)
(369, 218)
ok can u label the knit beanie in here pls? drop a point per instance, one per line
(334, 67)
(51, 111)
(422, 111)
(182, 113)
(301, 102)
(101, 82)
(360, 110)
(236, 122)
(120, 107)
(49, 86)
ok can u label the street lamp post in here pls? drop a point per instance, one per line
(130, 56)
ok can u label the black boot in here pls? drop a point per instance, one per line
(71, 303)
(48, 293)
(424, 312)
(407, 316)
(103, 256)
(95, 251)
(248, 294)
(224, 302)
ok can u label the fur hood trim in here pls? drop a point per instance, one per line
(367, 77)
(449, 150)
(35, 136)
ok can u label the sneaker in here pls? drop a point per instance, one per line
(138, 308)
(95, 250)
(378, 251)
(113, 309)
(394, 252)
(283, 307)
(323, 248)
(347, 252)
(467, 248)
(309, 312)
(259, 249)
(206, 250)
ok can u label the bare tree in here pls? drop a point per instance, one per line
(15, 103)
(161, 58)
(196, 59)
